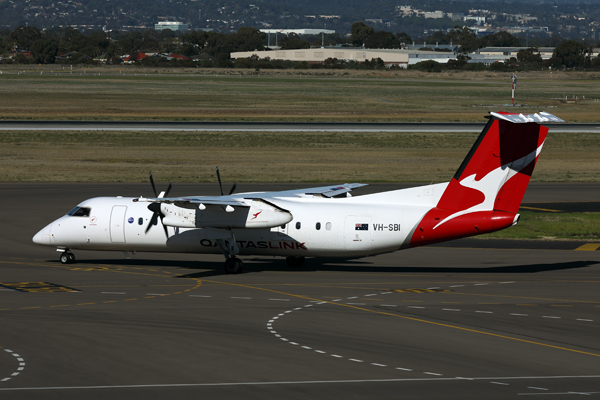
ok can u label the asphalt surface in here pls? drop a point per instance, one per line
(426, 323)
(272, 126)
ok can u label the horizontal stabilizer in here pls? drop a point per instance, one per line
(542, 116)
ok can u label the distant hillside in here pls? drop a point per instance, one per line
(564, 16)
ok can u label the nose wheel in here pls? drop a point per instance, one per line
(67, 258)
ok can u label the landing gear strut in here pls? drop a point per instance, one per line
(67, 258)
(294, 261)
(233, 265)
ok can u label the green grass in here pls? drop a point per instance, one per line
(552, 226)
(110, 156)
(291, 96)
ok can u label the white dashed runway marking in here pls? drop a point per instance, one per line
(272, 330)
(19, 369)
(342, 357)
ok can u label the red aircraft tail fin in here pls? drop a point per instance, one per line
(485, 193)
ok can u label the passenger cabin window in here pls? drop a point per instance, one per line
(80, 212)
(328, 226)
(140, 221)
(298, 225)
(318, 226)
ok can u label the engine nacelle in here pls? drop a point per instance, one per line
(259, 215)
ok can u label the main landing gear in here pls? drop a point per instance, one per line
(294, 261)
(233, 265)
(67, 258)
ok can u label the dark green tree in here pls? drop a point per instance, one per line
(382, 40)
(24, 36)
(427, 66)
(529, 56)
(464, 37)
(249, 39)
(293, 41)
(403, 38)
(131, 43)
(195, 38)
(500, 39)
(96, 43)
(360, 32)
(569, 54)
(44, 51)
(437, 37)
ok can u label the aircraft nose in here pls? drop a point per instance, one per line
(43, 236)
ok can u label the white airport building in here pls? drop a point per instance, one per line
(172, 25)
(390, 57)
(299, 31)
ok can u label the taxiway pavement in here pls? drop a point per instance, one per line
(426, 323)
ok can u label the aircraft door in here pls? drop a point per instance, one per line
(117, 224)
(357, 232)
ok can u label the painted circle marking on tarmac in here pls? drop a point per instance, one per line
(338, 356)
(19, 369)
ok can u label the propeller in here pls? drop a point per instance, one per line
(155, 207)
(221, 185)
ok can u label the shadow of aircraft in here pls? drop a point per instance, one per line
(257, 265)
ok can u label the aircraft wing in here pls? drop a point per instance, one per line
(185, 202)
(324, 191)
(245, 199)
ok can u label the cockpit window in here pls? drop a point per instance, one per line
(80, 212)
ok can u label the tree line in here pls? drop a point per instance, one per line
(212, 49)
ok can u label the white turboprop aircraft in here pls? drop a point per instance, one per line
(483, 196)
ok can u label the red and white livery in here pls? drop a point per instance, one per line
(483, 196)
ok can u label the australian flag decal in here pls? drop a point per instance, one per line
(361, 227)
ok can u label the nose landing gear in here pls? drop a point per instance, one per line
(67, 258)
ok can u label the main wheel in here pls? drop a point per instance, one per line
(71, 258)
(233, 265)
(64, 258)
(294, 261)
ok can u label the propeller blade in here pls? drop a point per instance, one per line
(155, 207)
(164, 227)
(233, 188)
(153, 220)
(168, 189)
(219, 178)
(152, 183)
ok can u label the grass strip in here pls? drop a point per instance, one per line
(552, 226)
(366, 97)
(112, 156)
